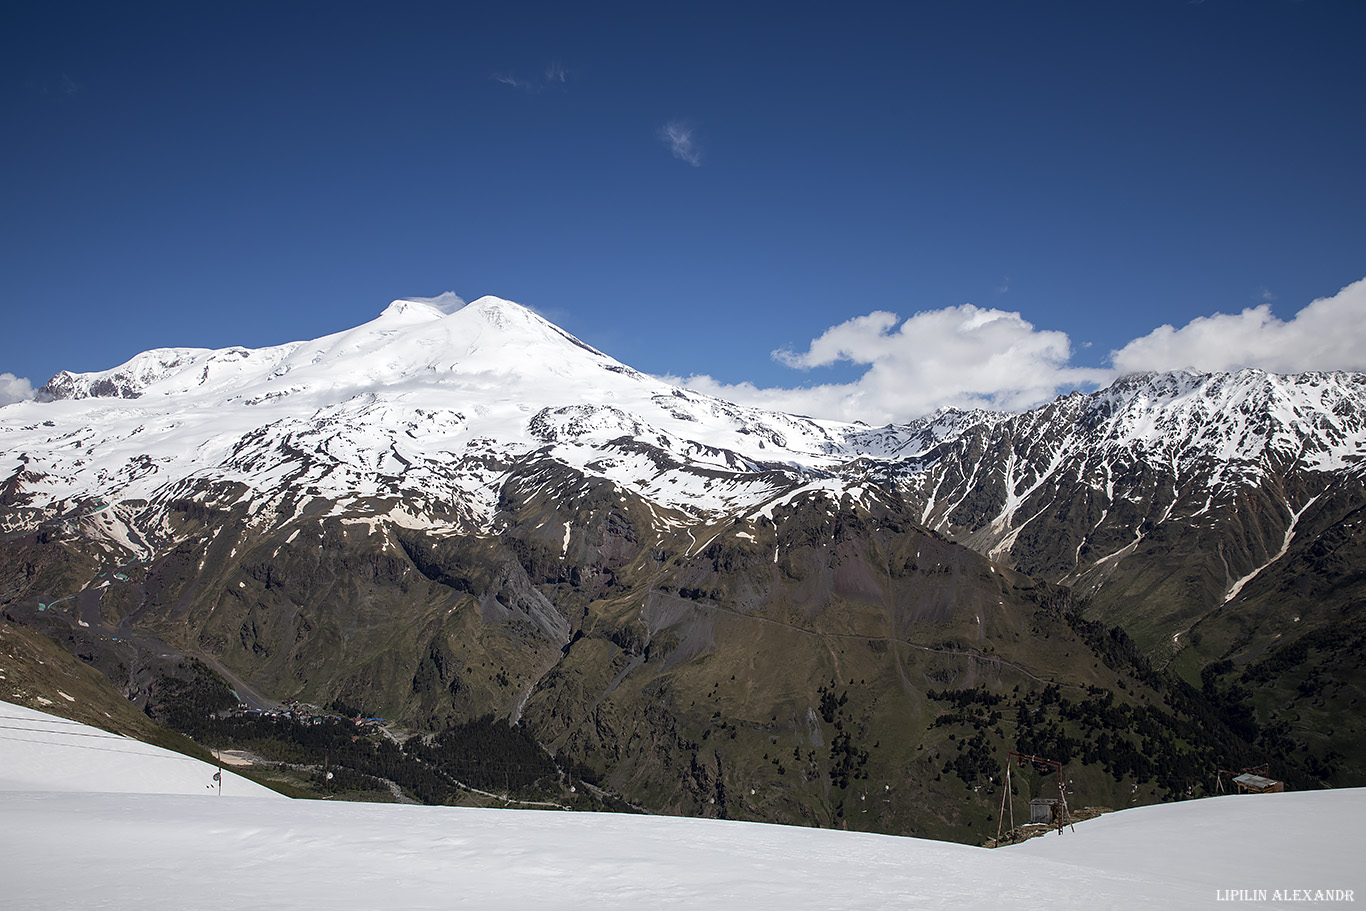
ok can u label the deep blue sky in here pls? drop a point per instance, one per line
(208, 174)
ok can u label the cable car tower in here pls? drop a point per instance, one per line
(1059, 815)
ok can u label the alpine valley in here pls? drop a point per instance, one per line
(695, 607)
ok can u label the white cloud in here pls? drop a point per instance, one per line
(971, 357)
(14, 389)
(679, 137)
(514, 82)
(555, 75)
(1329, 334)
(966, 356)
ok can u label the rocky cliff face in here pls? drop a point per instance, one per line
(437, 515)
(1160, 498)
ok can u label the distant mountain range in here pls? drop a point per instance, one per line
(439, 515)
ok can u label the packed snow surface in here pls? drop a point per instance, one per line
(114, 846)
(41, 752)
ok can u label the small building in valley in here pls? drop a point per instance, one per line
(1249, 783)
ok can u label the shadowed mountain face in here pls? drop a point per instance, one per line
(1162, 498)
(710, 609)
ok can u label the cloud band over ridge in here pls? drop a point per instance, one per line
(973, 357)
(14, 389)
(1328, 334)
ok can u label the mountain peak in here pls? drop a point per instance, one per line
(419, 308)
(449, 303)
(410, 311)
(412, 336)
(503, 314)
(519, 324)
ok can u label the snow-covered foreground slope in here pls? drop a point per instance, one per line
(41, 752)
(1307, 840)
(72, 849)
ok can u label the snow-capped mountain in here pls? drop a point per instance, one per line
(1210, 434)
(426, 417)
(1162, 497)
(420, 406)
(425, 411)
(443, 514)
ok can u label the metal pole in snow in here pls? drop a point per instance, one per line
(1001, 815)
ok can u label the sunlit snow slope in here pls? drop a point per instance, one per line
(63, 847)
(42, 752)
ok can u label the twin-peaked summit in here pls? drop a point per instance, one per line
(410, 405)
(411, 343)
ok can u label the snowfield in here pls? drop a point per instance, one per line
(41, 752)
(91, 820)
